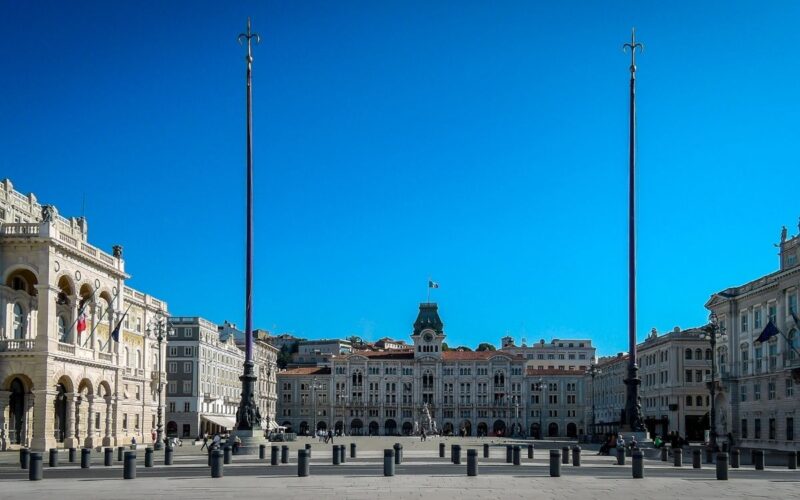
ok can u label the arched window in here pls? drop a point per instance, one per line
(127, 357)
(698, 401)
(688, 401)
(708, 355)
(688, 354)
(698, 354)
(138, 358)
(62, 329)
(19, 322)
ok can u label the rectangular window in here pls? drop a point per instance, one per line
(757, 428)
(793, 302)
(172, 367)
(136, 422)
(745, 359)
(743, 392)
(790, 428)
(756, 391)
(757, 318)
(771, 390)
(789, 388)
(744, 428)
(125, 421)
(771, 430)
(171, 407)
(187, 367)
(689, 376)
(744, 322)
(187, 386)
(772, 312)
(187, 351)
(173, 352)
(186, 406)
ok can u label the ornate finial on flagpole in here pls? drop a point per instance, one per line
(249, 36)
(633, 46)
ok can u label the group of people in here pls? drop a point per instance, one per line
(616, 440)
(325, 436)
(212, 443)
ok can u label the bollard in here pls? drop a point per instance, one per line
(696, 458)
(472, 462)
(530, 451)
(576, 456)
(759, 459)
(335, 454)
(791, 460)
(637, 462)
(36, 472)
(509, 453)
(303, 459)
(262, 451)
(352, 450)
(274, 454)
(441, 450)
(565, 455)
(148, 457)
(398, 453)
(735, 458)
(53, 457)
(516, 454)
(342, 453)
(388, 462)
(210, 451)
(108, 456)
(24, 458)
(677, 457)
(72, 454)
(555, 463)
(120, 453)
(709, 456)
(722, 466)
(86, 458)
(284, 454)
(168, 451)
(129, 465)
(227, 455)
(457, 454)
(664, 453)
(217, 463)
(485, 450)
(620, 456)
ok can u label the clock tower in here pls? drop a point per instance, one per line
(428, 332)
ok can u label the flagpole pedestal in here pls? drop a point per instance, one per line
(251, 441)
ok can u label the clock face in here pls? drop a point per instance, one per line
(427, 337)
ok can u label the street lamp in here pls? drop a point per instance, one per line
(314, 386)
(593, 372)
(157, 327)
(543, 389)
(516, 412)
(713, 331)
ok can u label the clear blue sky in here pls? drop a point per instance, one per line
(481, 143)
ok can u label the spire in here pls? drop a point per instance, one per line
(428, 318)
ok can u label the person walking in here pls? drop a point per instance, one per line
(205, 442)
(330, 436)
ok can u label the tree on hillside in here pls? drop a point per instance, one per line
(463, 348)
(485, 346)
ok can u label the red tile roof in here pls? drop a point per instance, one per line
(392, 354)
(306, 370)
(475, 355)
(532, 372)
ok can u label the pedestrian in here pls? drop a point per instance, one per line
(205, 442)
(133, 442)
(330, 436)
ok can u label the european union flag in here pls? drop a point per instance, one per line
(769, 331)
(115, 333)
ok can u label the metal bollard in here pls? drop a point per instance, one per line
(53, 462)
(36, 472)
(342, 453)
(722, 466)
(696, 458)
(129, 465)
(472, 462)
(308, 449)
(576, 456)
(303, 459)
(24, 458)
(509, 453)
(759, 459)
(620, 456)
(108, 457)
(664, 454)
(284, 454)
(485, 450)
(210, 451)
(791, 460)
(388, 461)
(274, 455)
(227, 454)
(565, 455)
(217, 463)
(677, 457)
(262, 451)
(457, 454)
(555, 463)
(516, 454)
(441, 450)
(120, 453)
(398, 453)
(168, 454)
(335, 454)
(637, 462)
(735, 458)
(72, 455)
(148, 457)
(530, 451)
(352, 450)
(709, 456)
(86, 458)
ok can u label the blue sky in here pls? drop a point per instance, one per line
(483, 144)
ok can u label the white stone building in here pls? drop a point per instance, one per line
(558, 354)
(59, 386)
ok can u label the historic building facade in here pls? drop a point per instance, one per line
(386, 392)
(63, 380)
(558, 354)
(758, 388)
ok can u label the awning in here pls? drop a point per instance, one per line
(272, 425)
(226, 422)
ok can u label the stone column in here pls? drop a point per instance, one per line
(89, 442)
(39, 419)
(4, 397)
(75, 312)
(76, 418)
(107, 434)
(70, 441)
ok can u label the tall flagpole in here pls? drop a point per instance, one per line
(248, 417)
(633, 410)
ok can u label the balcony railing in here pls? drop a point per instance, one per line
(16, 345)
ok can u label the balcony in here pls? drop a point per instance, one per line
(58, 233)
(17, 345)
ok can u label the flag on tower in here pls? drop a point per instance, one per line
(433, 284)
